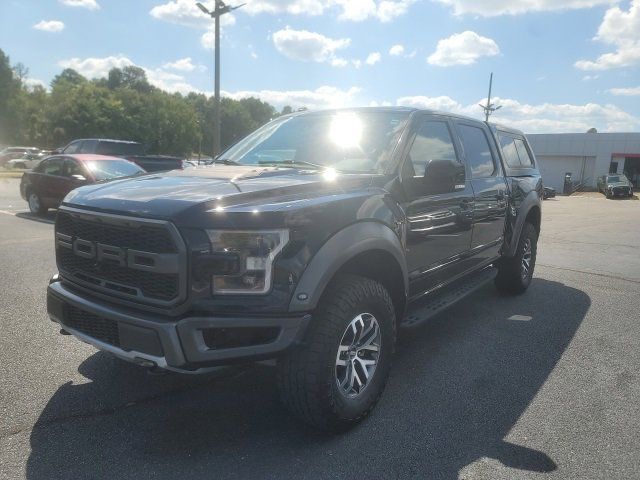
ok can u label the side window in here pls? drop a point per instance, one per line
(89, 146)
(509, 150)
(433, 142)
(73, 147)
(53, 166)
(477, 151)
(525, 158)
(72, 167)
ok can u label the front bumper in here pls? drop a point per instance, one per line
(174, 344)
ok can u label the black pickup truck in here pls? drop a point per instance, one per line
(313, 241)
(132, 151)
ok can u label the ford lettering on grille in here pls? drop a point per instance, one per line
(128, 259)
(146, 261)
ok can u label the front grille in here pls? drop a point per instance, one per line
(155, 278)
(156, 286)
(92, 325)
(145, 239)
(621, 190)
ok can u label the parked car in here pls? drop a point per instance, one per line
(615, 185)
(28, 161)
(11, 153)
(46, 185)
(548, 192)
(312, 242)
(133, 151)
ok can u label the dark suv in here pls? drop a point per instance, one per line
(132, 151)
(313, 241)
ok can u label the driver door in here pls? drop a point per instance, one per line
(440, 224)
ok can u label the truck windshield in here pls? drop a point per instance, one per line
(348, 141)
(119, 148)
(110, 169)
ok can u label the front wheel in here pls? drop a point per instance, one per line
(515, 274)
(334, 380)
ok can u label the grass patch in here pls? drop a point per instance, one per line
(11, 173)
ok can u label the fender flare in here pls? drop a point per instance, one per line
(336, 252)
(532, 200)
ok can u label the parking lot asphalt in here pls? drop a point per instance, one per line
(544, 385)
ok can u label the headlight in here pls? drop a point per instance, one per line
(256, 251)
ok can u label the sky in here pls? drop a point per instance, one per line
(559, 65)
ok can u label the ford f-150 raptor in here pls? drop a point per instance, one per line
(313, 241)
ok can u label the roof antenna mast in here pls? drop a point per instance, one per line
(490, 108)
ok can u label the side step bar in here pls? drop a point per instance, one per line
(437, 302)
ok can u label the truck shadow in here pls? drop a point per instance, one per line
(457, 389)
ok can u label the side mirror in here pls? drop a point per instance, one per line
(57, 151)
(78, 178)
(444, 176)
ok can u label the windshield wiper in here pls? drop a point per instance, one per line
(223, 161)
(293, 164)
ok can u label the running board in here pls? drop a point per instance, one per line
(451, 294)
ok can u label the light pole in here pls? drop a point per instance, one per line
(220, 9)
(489, 108)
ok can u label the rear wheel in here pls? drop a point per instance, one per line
(334, 380)
(35, 204)
(515, 274)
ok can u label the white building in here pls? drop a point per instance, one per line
(586, 156)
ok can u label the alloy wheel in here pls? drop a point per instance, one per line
(358, 355)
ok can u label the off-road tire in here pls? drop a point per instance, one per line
(511, 278)
(307, 373)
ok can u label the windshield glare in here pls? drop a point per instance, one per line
(110, 169)
(347, 141)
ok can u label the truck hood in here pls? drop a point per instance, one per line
(170, 194)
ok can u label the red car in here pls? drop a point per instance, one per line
(46, 185)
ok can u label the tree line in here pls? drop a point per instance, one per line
(122, 106)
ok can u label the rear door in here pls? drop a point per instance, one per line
(489, 187)
(439, 230)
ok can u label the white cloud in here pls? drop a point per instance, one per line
(620, 29)
(351, 10)
(293, 7)
(625, 92)
(359, 10)
(373, 58)
(396, 50)
(52, 26)
(99, 68)
(31, 83)
(322, 97)
(183, 65)
(89, 4)
(96, 67)
(185, 12)
(547, 117)
(495, 8)
(308, 46)
(463, 49)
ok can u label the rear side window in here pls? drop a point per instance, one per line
(433, 142)
(477, 151)
(73, 147)
(119, 148)
(523, 152)
(510, 152)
